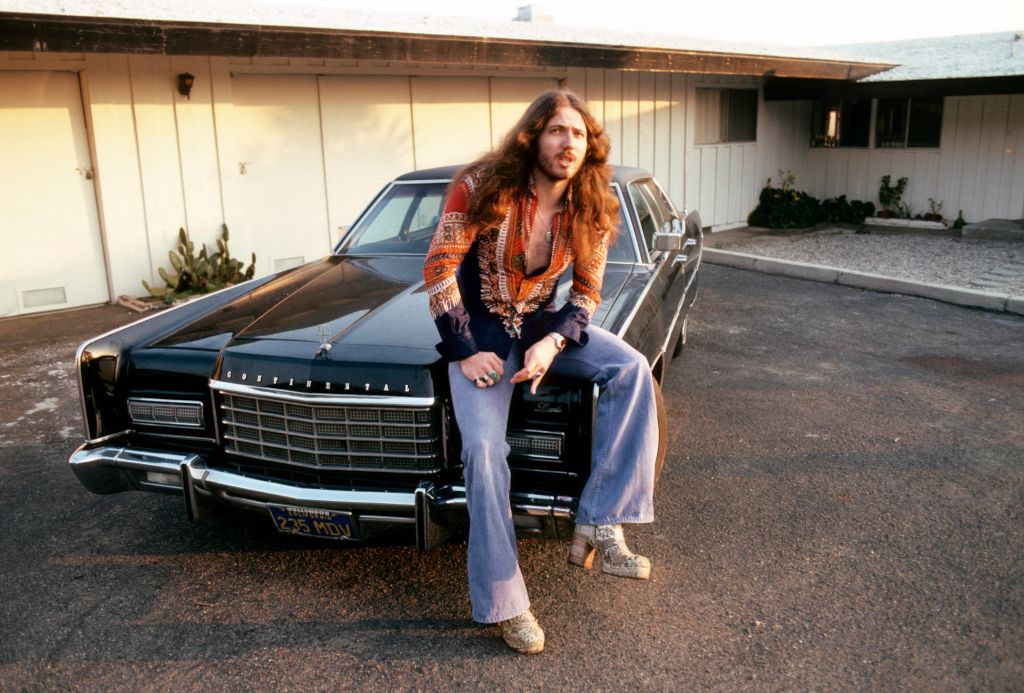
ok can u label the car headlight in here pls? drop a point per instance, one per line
(165, 412)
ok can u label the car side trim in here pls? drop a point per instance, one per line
(675, 321)
(636, 308)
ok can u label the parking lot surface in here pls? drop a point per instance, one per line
(841, 509)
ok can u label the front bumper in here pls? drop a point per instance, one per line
(432, 509)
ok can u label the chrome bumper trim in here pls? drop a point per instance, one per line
(243, 490)
(431, 508)
(109, 469)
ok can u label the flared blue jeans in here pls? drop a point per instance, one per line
(621, 484)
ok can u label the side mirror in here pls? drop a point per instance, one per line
(679, 234)
(671, 236)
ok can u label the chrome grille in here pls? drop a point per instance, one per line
(541, 444)
(331, 436)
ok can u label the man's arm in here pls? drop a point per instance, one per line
(452, 240)
(584, 295)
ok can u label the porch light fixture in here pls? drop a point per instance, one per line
(185, 80)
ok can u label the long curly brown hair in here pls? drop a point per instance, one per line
(505, 171)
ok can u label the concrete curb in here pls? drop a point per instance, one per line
(863, 280)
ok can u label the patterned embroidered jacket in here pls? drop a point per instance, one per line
(480, 296)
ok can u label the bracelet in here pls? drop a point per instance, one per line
(558, 339)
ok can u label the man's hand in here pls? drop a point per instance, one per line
(536, 363)
(484, 368)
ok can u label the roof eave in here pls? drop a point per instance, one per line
(62, 33)
(785, 89)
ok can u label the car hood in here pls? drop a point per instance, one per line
(356, 324)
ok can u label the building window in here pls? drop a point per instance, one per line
(841, 123)
(900, 122)
(908, 122)
(726, 115)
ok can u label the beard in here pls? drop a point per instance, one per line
(554, 171)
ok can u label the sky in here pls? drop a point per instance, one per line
(787, 22)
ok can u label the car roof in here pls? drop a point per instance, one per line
(620, 174)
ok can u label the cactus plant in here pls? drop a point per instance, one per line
(199, 274)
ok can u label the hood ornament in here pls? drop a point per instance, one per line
(323, 335)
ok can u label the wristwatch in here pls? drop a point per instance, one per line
(558, 339)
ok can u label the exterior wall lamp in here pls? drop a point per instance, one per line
(185, 80)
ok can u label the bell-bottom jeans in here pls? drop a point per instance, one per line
(621, 484)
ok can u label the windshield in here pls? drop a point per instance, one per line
(402, 221)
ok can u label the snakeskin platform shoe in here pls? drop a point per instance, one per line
(616, 558)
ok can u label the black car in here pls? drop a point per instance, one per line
(316, 396)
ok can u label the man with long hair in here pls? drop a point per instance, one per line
(513, 222)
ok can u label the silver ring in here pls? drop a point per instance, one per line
(536, 375)
(481, 379)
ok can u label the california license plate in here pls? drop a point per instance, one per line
(311, 522)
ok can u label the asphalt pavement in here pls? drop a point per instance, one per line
(841, 509)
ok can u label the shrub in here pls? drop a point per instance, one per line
(787, 208)
(784, 207)
(841, 210)
(890, 195)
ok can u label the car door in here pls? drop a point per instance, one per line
(680, 290)
(657, 317)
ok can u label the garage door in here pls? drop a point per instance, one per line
(53, 256)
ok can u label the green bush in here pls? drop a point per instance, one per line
(786, 208)
(199, 274)
(890, 195)
(841, 210)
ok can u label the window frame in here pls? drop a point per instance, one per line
(831, 129)
(822, 124)
(724, 120)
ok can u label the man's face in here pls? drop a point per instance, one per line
(562, 145)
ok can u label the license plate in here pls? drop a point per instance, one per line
(311, 522)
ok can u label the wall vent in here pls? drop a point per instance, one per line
(283, 263)
(37, 298)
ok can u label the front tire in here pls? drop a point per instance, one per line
(681, 341)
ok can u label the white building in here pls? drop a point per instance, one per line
(294, 120)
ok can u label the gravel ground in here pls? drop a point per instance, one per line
(996, 266)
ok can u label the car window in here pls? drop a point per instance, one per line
(651, 208)
(645, 216)
(402, 220)
(667, 207)
(621, 249)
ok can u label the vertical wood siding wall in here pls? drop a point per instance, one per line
(978, 166)
(285, 151)
(650, 118)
